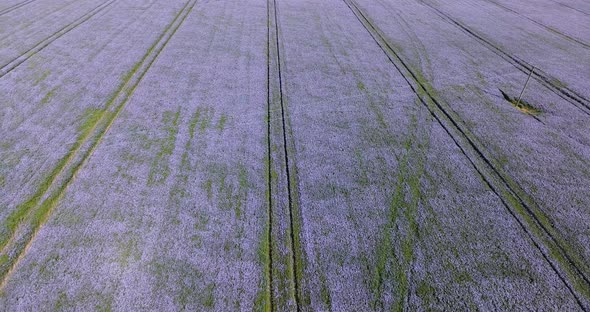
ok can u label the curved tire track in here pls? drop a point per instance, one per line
(29, 226)
(566, 263)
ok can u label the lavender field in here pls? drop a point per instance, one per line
(294, 155)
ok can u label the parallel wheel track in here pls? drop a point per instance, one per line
(14, 7)
(571, 96)
(275, 97)
(47, 13)
(28, 227)
(14, 63)
(551, 29)
(530, 217)
(570, 7)
(269, 169)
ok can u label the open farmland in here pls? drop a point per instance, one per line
(294, 155)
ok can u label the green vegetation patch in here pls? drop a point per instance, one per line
(42, 77)
(394, 263)
(228, 187)
(222, 122)
(49, 96)
(262, 301)
(160, 168)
